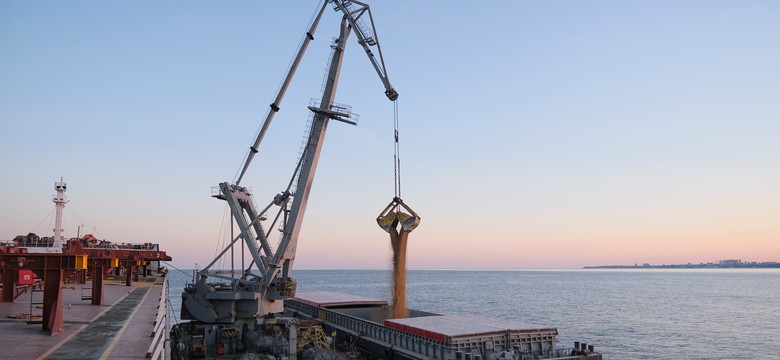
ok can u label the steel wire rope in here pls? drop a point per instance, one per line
(172, 311)
(44, 219)
(180, 270)
(397, 152)
(278, 87)
(221, 243)
(52, 222)
(94, 230)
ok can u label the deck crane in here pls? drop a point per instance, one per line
(246, 314)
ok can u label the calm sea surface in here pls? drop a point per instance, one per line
(626, 314)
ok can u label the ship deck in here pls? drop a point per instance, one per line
(119, 329)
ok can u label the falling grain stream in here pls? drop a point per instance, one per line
(398, 242)
(398, 224)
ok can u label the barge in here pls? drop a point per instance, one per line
(356, 327)
(364, 323)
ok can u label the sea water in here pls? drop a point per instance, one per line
(626, 314)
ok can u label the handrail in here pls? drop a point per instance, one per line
(159, 327)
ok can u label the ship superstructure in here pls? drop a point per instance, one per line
(59, 204)
(39, 267)
(54, 244)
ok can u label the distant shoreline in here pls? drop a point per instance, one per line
(720, 265)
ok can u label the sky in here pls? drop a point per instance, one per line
(534, 134)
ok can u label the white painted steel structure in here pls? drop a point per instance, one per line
(253, 303)
(59, 200)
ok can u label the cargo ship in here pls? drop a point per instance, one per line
(82, 298)
(260, 314)
(110, 301)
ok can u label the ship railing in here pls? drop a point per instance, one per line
(33, 244)
(126, 246)
(159, 327)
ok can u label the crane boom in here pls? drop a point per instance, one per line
(274, 107)
(367, 37)
(285, 254)
(255, 296)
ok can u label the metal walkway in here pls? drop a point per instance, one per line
(98, 336)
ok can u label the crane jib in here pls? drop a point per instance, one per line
(258, 296)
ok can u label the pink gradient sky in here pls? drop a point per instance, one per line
(534, 135)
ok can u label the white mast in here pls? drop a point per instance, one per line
(59, 204)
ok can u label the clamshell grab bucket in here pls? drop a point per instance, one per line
(393, 215)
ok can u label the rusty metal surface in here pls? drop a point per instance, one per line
(52, 268)
(94, 340)
(128, 254)
(21, 341)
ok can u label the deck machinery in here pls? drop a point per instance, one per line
(244, 316)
